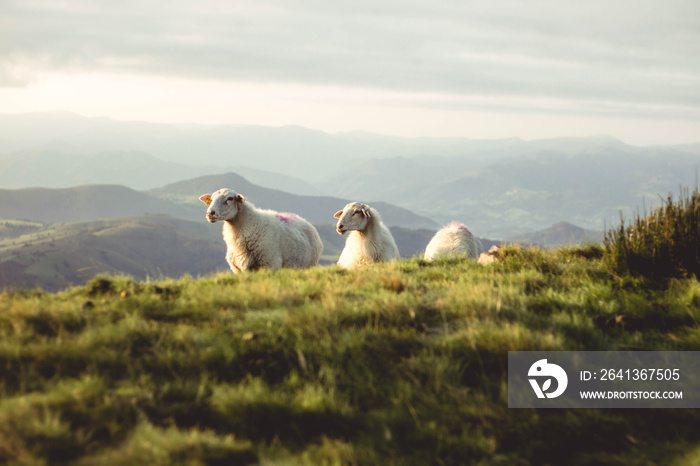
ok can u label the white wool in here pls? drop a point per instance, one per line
(453, 240)
(257, 238)
(369, 240)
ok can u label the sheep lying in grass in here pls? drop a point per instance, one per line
(453, 240)
(257, 238)
(369, 241)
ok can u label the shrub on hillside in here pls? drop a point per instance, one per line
(663, 244)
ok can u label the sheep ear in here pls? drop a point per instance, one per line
(338, 214)
(365, 212)
(240, 199)
(206, 198)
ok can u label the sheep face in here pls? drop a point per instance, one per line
(223, 204)
(353, 217)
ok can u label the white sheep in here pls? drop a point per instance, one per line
(257, 238)
(369, 241)
(453, 240)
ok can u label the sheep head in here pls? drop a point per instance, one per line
(223, 204)
(354, 216)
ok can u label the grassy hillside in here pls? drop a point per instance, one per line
(401, 363)
(58, 255)
(17, 228)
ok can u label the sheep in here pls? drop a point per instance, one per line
(369, 241)
(453, 240)
(492, 255)
(257, 238)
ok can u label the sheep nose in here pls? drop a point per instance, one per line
(211, 213)
(341, 226)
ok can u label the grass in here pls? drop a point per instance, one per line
(664, 243)
(401, 363)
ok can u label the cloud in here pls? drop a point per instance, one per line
(626, 52)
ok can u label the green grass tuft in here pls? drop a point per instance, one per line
(663, 244)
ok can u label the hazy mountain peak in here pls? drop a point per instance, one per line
(558, 234)
(316, 209)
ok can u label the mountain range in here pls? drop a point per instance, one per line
(316, 209)
(528, 192)
(291, 150)
(499, 188)
(562, 233)
(69, 235)
(179, 200)
(50, 168)
(53, 238)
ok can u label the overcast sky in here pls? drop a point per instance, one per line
(476, 69)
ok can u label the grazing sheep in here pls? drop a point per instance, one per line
(257, 238)
(369, 241)
(453, 240)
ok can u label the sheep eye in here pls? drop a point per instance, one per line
(230, 198)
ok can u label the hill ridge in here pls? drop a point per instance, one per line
(316, 209)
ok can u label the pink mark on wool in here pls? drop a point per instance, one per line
(286, 217)
(458, 226)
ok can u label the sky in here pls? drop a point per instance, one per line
(475, 69)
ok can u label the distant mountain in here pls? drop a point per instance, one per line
(269, 179)
(52, 168)
(380, 178)
(497, 187)
(179, 200)
(530, 191)
(57, 256)
(316, 209)
(107, 228)
(58, 169)
(562, 233)
(576, 145)
(86, 203)
(291, 150)
(390, 179)
(689, 148)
